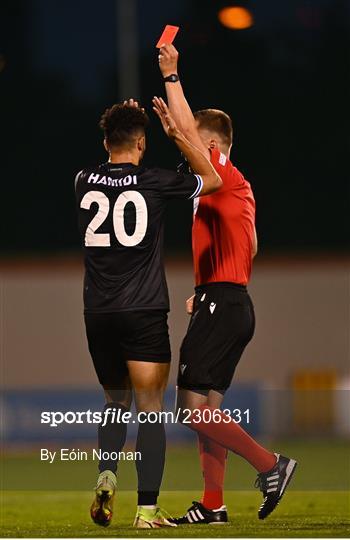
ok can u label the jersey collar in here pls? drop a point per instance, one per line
(117, 166)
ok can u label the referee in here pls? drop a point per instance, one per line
(224, 243)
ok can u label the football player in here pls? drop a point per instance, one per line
(121, 206)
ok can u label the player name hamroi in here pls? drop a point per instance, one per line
(114, 182)
(72, 454)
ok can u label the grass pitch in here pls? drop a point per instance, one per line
(66, 514)
(317, 504)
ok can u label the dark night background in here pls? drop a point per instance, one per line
(285, 82)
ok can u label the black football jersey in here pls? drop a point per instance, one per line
(120, 213)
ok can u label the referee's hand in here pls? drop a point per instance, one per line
(189, 305)
(168, 57)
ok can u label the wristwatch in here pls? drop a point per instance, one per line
(171, 78)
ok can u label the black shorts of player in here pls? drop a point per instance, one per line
(114, 338)
(221, 326)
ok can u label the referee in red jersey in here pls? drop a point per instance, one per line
(224, 243)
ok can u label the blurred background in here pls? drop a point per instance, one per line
(281, 70)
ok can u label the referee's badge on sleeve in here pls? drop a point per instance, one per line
(222, 159)
(195, 205)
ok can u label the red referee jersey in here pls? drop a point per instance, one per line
(223, 228)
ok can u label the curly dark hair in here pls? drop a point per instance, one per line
(121, 124)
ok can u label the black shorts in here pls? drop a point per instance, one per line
(221, 326)
(114, 338)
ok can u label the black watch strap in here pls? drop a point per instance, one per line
(171, 78)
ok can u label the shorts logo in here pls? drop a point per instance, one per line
(203, 297)
(212, 307)
(182, 368)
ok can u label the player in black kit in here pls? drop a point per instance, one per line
(121, 206)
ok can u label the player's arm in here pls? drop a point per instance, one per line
(189, 304)
(255, 244)
(196, 159)
(178, 105)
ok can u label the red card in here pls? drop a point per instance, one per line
(168, 35)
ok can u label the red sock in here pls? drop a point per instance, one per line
(213, 463)
(230, 435)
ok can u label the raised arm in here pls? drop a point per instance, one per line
(195, 157)
(178, 105)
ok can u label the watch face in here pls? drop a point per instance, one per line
(172, 78)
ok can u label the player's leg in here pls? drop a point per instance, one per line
(147, 350)
(112, 434)
(102, 334)
(111, 440)
(149, 380)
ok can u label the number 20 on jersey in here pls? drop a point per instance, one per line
(93, 239)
